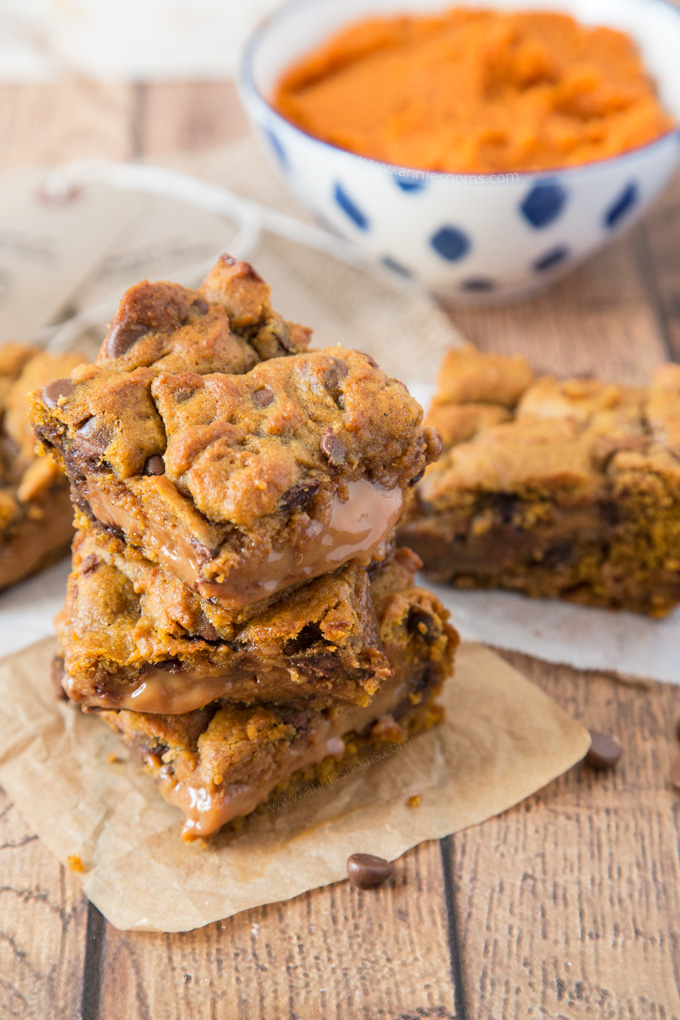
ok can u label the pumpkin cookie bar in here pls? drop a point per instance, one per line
(35, 512)
(222, 761)
(208, 438)
(553, 488)
(134, 637)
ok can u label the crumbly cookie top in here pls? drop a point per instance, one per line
(506, 431)
(194, 386)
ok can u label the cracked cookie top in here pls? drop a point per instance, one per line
(506, 431)
(209, 438)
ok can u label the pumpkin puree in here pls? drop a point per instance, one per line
(475, 91)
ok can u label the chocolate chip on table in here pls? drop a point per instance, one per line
(366, 871)
(263, 397)
(334, 448)
(604, 751)
(675, 772)
(123, 336)
(52, 392)
(154, 466)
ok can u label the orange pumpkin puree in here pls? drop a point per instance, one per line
(475, 91)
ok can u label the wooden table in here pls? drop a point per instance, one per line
(566, 907)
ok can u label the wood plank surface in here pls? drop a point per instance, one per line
(564, 907)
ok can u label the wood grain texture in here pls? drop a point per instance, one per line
(335, 953)
(42, 926)
(568, 904)
(48, 124)
(564, 908)
(180, 116)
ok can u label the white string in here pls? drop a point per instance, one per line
(250, 217)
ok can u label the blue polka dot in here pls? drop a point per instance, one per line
(478, 283)
(410, 183)
(451, 243)
(543, 204)
(623, 204)
(551, 258)
(395, 266)
(349, 206)
(277, 148)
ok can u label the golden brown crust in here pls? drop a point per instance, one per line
(573, 491)
(181, 429)
(222, 751)
(129, 625)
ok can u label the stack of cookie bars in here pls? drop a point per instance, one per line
(237, 610)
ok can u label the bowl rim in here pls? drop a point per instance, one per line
(248, 89)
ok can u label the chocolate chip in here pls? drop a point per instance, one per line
(366, 871)
(416, 478)
(207, 631)
(506, 505)
(372, 362)
(418, 622)
(558, 555)
(91, 440)
(299, 495)
(154, 466)
(333, 374)
(124, 336)
(334, 448)
(89, 564)
(604, 751)
(281, 335)
(201, 306)
(609, 511)
(183, 394)
(331, 380)
(52, 392)
(263, 397)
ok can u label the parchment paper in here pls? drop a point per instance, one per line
(502, 740)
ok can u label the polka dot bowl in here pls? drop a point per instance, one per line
(484, 238)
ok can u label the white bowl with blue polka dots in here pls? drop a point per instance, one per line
(485, 239)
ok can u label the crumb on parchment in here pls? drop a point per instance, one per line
(74, 863)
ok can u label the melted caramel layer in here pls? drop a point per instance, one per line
(355, 529)
(162, 692)
(208, 808)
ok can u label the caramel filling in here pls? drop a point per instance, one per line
(162, 692)
(208, 808)
(354, 529)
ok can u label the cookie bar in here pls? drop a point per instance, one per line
(208, 438)
(35, 512)
(553, 488)
(222, 761)
(134, 637)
